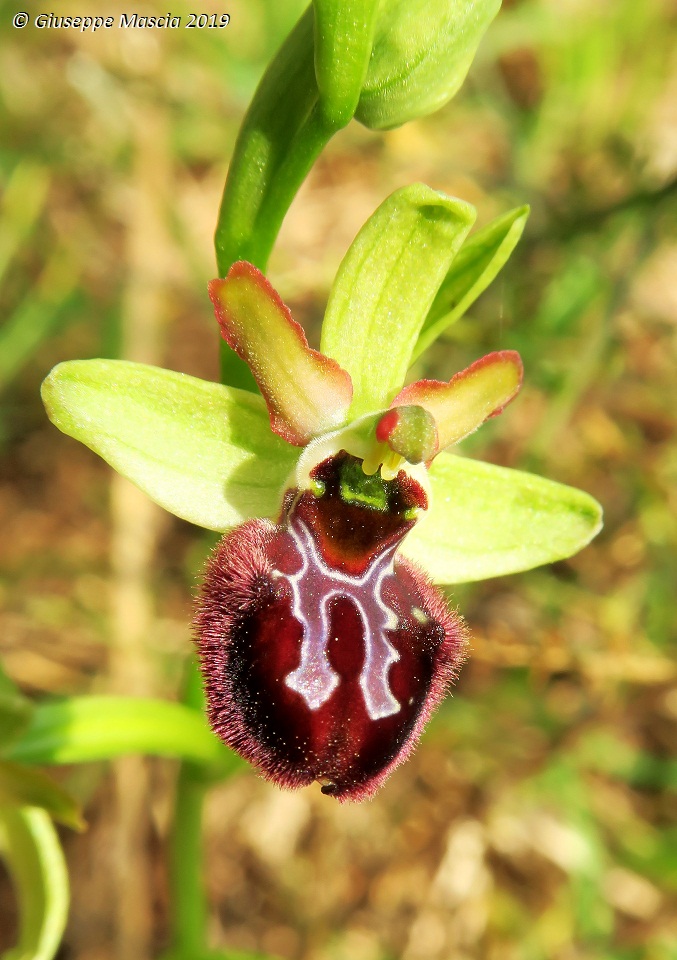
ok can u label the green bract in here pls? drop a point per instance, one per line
(206, 452)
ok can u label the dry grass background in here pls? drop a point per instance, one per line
(538, 819)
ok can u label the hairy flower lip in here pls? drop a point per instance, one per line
(298, 722)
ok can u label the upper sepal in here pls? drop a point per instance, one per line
(306, 393)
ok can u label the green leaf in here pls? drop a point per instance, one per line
(480, 259)
(344, 31)
(23, 787)
(30, 846)
(15, 710)
(84, 729)
(202, 451)
(385, 287)
(421, 54)
(487, 521)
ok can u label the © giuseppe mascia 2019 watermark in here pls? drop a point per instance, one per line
(125, 21)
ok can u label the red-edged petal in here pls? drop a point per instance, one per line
(306, 392)
(472, 396)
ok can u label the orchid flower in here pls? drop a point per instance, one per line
(324, 638)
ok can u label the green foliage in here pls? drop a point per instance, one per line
(344, 33)
(31, 849)
(15, 710)
(89, 728)
(22, 787)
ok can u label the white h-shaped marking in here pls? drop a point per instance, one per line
(313, 586)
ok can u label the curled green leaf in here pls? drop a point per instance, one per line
(202, 451)
(30, 847)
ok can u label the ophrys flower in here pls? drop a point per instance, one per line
(324, 646)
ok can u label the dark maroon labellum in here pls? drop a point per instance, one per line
(324, 653)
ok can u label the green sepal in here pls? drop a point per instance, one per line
(30, 847)
(15, 710)
(89, 728)
(203, 451)
(22, 786)
(421, 54)
(488, 521)
(385, 287)
(478, 262)
(344, 32)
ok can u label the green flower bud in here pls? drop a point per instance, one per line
(421, 54)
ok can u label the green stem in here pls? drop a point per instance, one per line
(282, 134)
(189, 904)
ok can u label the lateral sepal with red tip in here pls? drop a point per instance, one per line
(306, 393)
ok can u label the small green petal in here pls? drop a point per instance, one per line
(306, 392)
(479, 260)
(459, 407)
(385, 287)
(487, 521)
(30, 846)
(202, 451)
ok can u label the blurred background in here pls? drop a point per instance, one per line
(538, 818)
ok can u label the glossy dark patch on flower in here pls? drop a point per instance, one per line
(323, 653)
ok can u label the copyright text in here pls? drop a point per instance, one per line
(125, 21)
